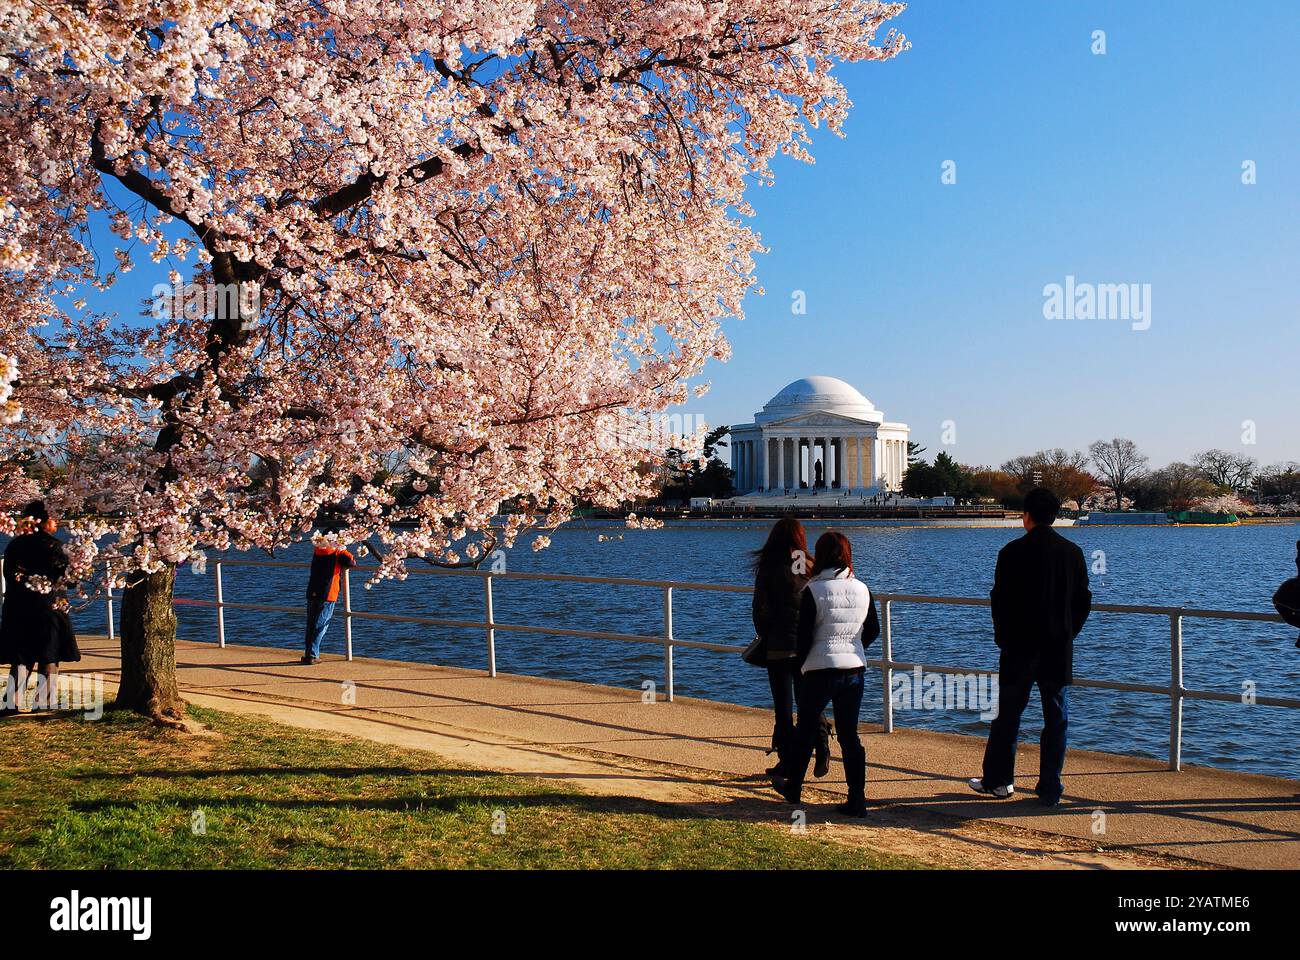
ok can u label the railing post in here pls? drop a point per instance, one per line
(347, 613)
(491, 631)
(1175, 691)
(221, 610)
(668, 643)
(108, 600)
(887, 654)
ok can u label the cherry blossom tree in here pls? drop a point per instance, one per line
(469, 235)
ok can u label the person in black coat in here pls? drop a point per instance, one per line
(1040, 602)
(1287, 599)
(780, 574)
(35, 631)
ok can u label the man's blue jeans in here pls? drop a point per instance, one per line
(1015, 681)
(319, 612)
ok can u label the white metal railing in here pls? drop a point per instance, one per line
(1175, 689)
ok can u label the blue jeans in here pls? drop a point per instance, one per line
(319, 612)
(842, 689)
(1015, 681)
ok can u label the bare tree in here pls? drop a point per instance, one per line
(1225, 469)
(1120, 463)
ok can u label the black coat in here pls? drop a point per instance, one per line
(32, 627)
(1040, 602)
(776, 609)
(1287, 598)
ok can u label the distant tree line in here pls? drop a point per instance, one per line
(1113, 475)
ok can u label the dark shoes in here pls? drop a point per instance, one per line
(306, 658)
(789, 793)
(1047, 797)
(822, 766)
(852, 808)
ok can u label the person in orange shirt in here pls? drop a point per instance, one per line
(327, 566)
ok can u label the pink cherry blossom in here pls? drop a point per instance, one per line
(471, 230)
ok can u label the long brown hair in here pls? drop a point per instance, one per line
(833, 553)
(785, 538)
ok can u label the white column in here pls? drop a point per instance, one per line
(858, 444)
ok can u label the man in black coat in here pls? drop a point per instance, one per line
(1040, 601)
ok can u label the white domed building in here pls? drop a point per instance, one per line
(818, 432)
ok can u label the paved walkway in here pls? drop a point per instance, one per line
(1213, 816)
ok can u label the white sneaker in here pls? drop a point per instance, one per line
(1000, 793)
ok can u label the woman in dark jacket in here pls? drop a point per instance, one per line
(34, 627)
(780, 573)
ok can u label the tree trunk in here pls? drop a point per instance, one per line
(148, 627)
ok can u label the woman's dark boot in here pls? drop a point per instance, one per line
(855, 776)
(823, 750)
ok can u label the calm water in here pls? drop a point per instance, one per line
(1231, 568)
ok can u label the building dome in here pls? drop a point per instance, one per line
(827, 394)
(818, 433)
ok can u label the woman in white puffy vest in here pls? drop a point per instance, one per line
(837, 622)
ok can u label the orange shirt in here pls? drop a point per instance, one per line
(327, 566)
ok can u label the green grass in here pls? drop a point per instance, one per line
(121, 793)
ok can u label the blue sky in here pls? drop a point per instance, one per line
(1122, 168)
